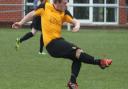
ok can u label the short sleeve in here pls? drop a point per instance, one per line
(67, 17)
(40, 9)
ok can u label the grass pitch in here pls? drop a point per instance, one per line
(26, 69)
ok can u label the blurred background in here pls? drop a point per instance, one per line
(89, 12)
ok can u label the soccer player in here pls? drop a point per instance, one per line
(35, 26)
(52, 18)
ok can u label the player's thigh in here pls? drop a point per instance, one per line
(62, 49)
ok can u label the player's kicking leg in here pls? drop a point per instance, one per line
(105, 63)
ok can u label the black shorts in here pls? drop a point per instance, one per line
(60, 48)
(36, 23)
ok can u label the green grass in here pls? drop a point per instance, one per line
(25, 69)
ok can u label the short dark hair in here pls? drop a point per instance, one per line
(41, 0)
(55, 1)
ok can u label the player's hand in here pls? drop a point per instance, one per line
(76, 24)
(16, 25)
(75, 29)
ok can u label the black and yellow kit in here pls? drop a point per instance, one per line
(36, 23)
(52, 21)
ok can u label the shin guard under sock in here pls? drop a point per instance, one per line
(88, 59)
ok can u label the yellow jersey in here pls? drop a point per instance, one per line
(52, 21)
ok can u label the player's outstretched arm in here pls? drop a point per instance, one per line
(26, 18)
(76, 24)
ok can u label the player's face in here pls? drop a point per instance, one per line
(63, 5)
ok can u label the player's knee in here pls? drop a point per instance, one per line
(78, 52)
(33, 31)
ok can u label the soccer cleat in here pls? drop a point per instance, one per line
(42, 53)
(105, 63)
(17, 44)
(72, 85)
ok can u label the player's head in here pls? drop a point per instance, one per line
(60, 4)
(43, 1)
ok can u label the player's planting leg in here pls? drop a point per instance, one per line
(76, 65)
(72, 85)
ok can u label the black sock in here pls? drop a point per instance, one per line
(88, 59)
(26, 36)
(41, 43)
(76, 65)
